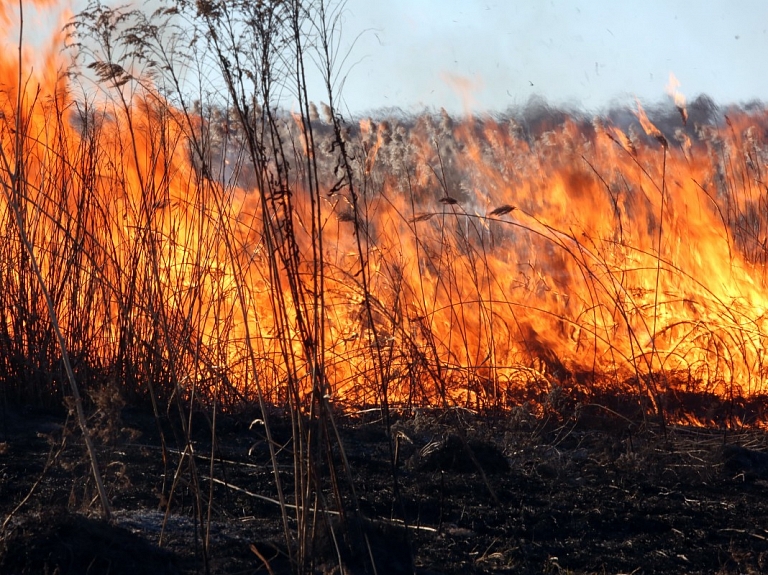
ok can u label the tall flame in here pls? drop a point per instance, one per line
(499, 260)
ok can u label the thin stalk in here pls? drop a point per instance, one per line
(11, 192)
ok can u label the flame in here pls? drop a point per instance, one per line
(498, 262)
(648, 126)
(677, 97)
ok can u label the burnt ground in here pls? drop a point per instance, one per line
(503, 493)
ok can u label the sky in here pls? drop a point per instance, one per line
(487, 56)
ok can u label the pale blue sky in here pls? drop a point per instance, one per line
(588, 53)
(414, 54)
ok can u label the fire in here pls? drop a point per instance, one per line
(677, 97)
(475, 260)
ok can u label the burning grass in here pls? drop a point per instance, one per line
(236, 252)
(469, 301)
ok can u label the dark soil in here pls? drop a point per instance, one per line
(507, 493)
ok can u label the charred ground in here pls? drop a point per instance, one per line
(512, 492)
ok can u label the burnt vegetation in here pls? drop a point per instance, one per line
(255, 335)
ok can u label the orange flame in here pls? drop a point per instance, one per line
(679, 99)
(499, 261)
